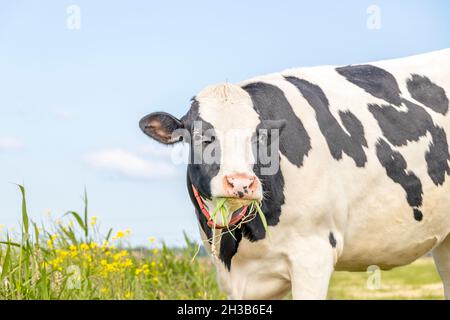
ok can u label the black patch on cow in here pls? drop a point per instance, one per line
(401, 127)
(374, 80)
(337, 139)
(332, 240)
(418, 215)
(428, 93)
(270, 103)
(353, 126)
(437, 156)
(396, 169)
(273, 186)
(229, 245)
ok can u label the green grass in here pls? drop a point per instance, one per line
(418, 280)
(74, 259)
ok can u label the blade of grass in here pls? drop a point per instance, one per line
(9, 243)
(108, 235)
(221, 202)
(86, 223)
(6, 263)
(263, 218)
(78, 219)
(36, 233)
(24, 209)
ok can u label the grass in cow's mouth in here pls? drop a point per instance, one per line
(225, 207)
(221, 215)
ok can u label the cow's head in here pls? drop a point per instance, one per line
(229, 143)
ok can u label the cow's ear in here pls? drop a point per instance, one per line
(162, 127)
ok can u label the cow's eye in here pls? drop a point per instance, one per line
(200, 138)
(208, 140)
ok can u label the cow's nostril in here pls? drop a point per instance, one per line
(230, 181)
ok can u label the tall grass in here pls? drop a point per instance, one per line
(72, 259)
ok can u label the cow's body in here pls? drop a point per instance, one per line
(368, 184)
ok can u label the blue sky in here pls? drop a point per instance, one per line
(70, 100)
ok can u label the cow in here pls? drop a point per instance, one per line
(363, 175)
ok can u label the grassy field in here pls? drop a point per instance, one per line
(72, 259)
(418, 280)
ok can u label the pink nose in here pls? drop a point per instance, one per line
(240, 185)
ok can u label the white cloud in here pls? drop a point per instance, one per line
(177, 154)
(154, 149)
(130, 165)
(10, 143)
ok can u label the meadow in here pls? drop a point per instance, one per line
(73, 259)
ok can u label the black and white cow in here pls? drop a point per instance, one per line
(363, 177)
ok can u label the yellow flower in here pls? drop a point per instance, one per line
(128, 263)
(122, 234)
(103, 290)
(62, 253)
(93, 245)
(120, 255)
(155, 251)
(56, 263)
(105, 245)
(128, 295)
(152, 239)
(51, 241)
(93, 221)
(84, 247)
(119, 235)
(73, 251)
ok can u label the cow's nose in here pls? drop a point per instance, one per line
(240, 185)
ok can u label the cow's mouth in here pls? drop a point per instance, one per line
(240, 210)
